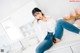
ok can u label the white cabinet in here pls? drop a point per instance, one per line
(15, 47)
(76, 48)
(61, 50)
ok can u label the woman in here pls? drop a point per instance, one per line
(47, 32)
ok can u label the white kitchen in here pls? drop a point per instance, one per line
(17, 34)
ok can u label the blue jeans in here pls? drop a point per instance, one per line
(47, 42)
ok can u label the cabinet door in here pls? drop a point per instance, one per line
(76, 48)
(61, 50)
(12, 30)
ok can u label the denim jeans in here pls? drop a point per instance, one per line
(61, 24)
(47, 42)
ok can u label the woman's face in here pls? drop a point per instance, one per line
(38, 15)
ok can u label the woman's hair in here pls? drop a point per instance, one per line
(36, 10)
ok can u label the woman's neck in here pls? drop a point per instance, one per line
(44, 19)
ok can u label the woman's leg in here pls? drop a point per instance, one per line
(63, 24)
(45, 45)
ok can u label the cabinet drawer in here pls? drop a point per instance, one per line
(76, 48)
(61, 50)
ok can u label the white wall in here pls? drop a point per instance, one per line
(24, 14)
(7, 7)
(57, 8)
(20, 13)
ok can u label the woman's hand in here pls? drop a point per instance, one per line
(33, 20)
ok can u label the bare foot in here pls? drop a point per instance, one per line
(57, 40)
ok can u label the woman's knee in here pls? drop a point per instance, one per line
(60, 21)
(38, 50)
